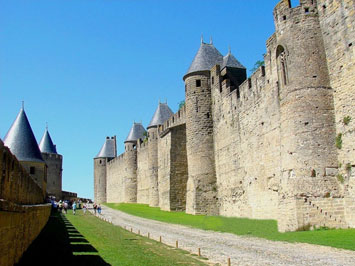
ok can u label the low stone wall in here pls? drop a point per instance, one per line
(22, 212)
(19, 226)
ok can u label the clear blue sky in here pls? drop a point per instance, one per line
(91, 67)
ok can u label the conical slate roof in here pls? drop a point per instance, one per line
(230, 61)
(46, 144)
(108, 150)
(162, 113)
(21, 141)
(207, 56)
(137, 132)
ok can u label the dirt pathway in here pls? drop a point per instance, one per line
(218, 247)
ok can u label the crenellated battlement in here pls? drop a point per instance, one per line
(260, 147)
(176, 119)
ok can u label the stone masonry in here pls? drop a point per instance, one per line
(277, 145)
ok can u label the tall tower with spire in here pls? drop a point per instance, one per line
(107, 152)
(201, 197)
(54, 163)
(22, 143)
(130, 156)
(162, 113)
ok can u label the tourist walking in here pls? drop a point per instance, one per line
(99, 209)
(60, 206)
(95, 207)
(65, 206)
(84, 208)
(74, 207)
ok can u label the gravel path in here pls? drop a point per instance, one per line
(218, 247)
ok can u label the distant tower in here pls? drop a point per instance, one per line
(201, 194)
(108, 152)
(54, 163)
(306, 108)
(130, 156)
(162, 113)
(22, 143)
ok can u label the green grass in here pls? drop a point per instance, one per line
(120, 247)
(86, 240)
(339, 238)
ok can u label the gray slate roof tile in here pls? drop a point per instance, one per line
(108, 150)
(46, 144)
(162, 113)
(137, 132)
(21, 140)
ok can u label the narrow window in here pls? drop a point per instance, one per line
(306, 10)
(282, 64)
(198, 83)
(284, 17)
(208, 115)
(212, 80)
(32, 170)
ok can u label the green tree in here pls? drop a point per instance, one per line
(181, 104)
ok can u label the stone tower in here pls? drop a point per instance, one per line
(22, 143)
(162, 113)
(130, 156)
(201, 196)
(306, 111)
(107, 153)
(54, 163)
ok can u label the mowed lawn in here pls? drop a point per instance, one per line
(120, 247)
(339, 238)
(87, 240)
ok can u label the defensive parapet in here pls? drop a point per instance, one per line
(23, 213)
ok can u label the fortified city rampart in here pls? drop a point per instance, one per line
(278, 145)
(23, 213)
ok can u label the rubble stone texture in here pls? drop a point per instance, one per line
(278, 145)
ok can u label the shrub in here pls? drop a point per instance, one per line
(346, 120)
(340, 178)
(339, 141)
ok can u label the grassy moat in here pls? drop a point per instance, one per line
(339, 238)
(87, 240)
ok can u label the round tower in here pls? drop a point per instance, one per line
(162, 113)
(54, 165)
(201, 196)
(107, 153)
(22, 143)
(306, 105)
(130, 157)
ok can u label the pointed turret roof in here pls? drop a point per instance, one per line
(137, 132)
(162, 113)
(108, 150)
(230, 61)
(207, 56)
(21, 140)
(46, 144)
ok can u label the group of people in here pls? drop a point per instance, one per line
(62, 206)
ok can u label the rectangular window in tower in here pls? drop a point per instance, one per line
(198, 83)
(32, 170)
(212, 80)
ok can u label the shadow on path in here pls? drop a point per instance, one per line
(58, 244)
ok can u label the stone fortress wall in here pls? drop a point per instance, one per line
(22, 212)
(267, 148)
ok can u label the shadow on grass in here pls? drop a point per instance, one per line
(60, 243)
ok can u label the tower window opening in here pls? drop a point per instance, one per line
(306, 10)
(284, 18)
(32, 170)
(208, 115)
(212, 80)
(282, 64)
(198, 83)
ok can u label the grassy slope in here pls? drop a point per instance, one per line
(119, 247)
(340, 238)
